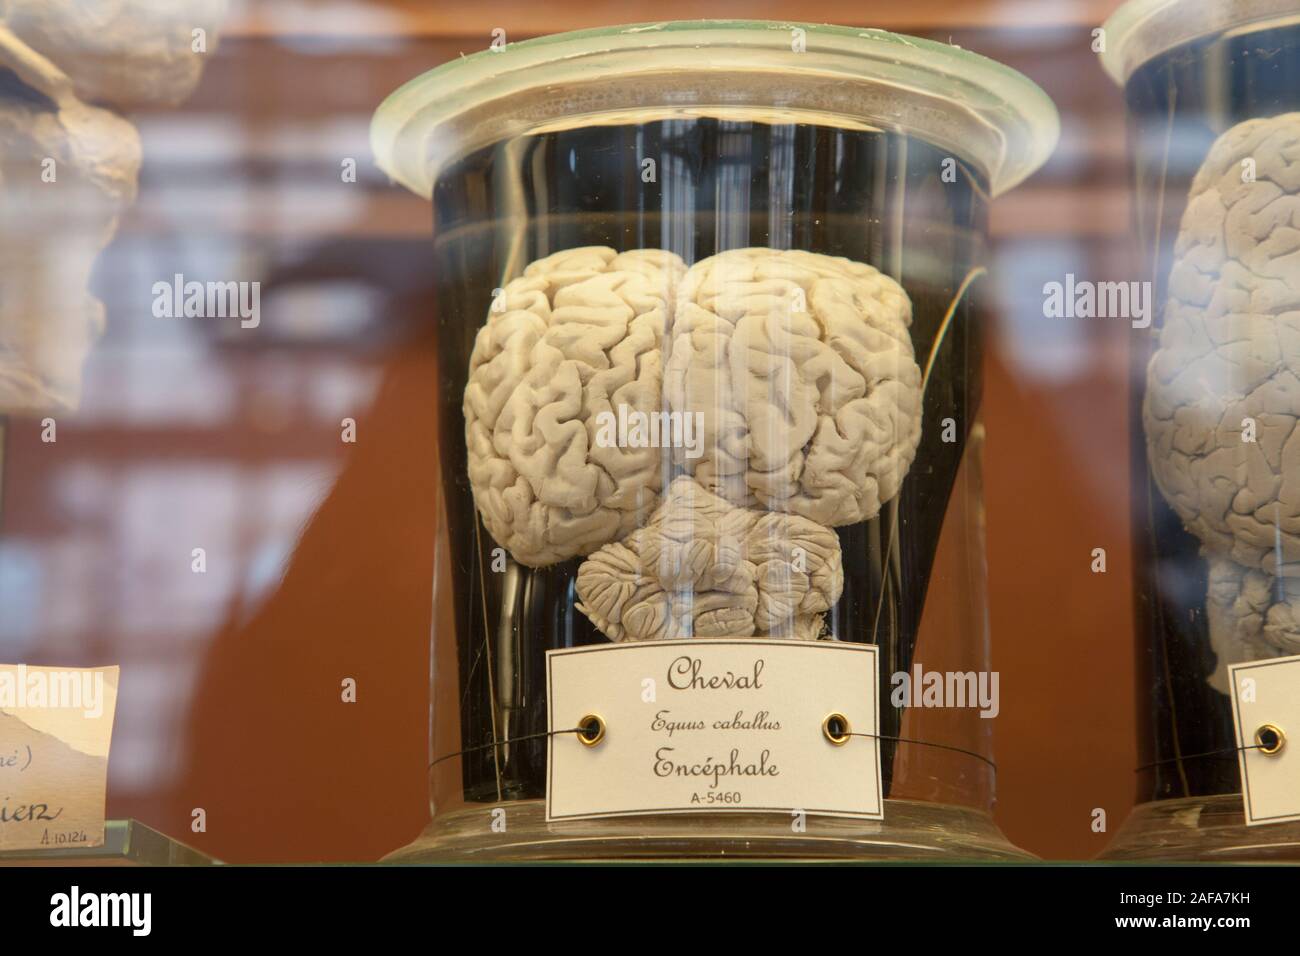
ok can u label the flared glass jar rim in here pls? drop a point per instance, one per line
(847, 77)
(1142, 30)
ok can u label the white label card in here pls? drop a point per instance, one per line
(56, 726)
(1266, 694)
(714, 726)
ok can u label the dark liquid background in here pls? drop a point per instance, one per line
(1199, 91)
(873, 197)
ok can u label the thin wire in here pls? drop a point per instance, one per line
(580, 730)
(1204, 753)
(512, 740)
(939, 338)
(975, 273)
(1159, 227)
(487, 650)
(929, 743)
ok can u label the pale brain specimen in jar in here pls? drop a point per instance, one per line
(1223, 390)
(579, 333)
(705, 568)
(803, 367)
(798, 370)
(1252, 615)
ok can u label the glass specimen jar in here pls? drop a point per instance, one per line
(1213, 98)
(709, 340)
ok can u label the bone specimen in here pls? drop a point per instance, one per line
(122, 53)
(67, 169)
(53, 229)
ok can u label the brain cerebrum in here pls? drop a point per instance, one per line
(802, 366)
(578, 334)
(1223, 390)
(626, 407)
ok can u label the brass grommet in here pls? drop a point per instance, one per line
(591, 730)
(1270, 739)
(836, 729)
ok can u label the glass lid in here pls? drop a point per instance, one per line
(986, 113)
